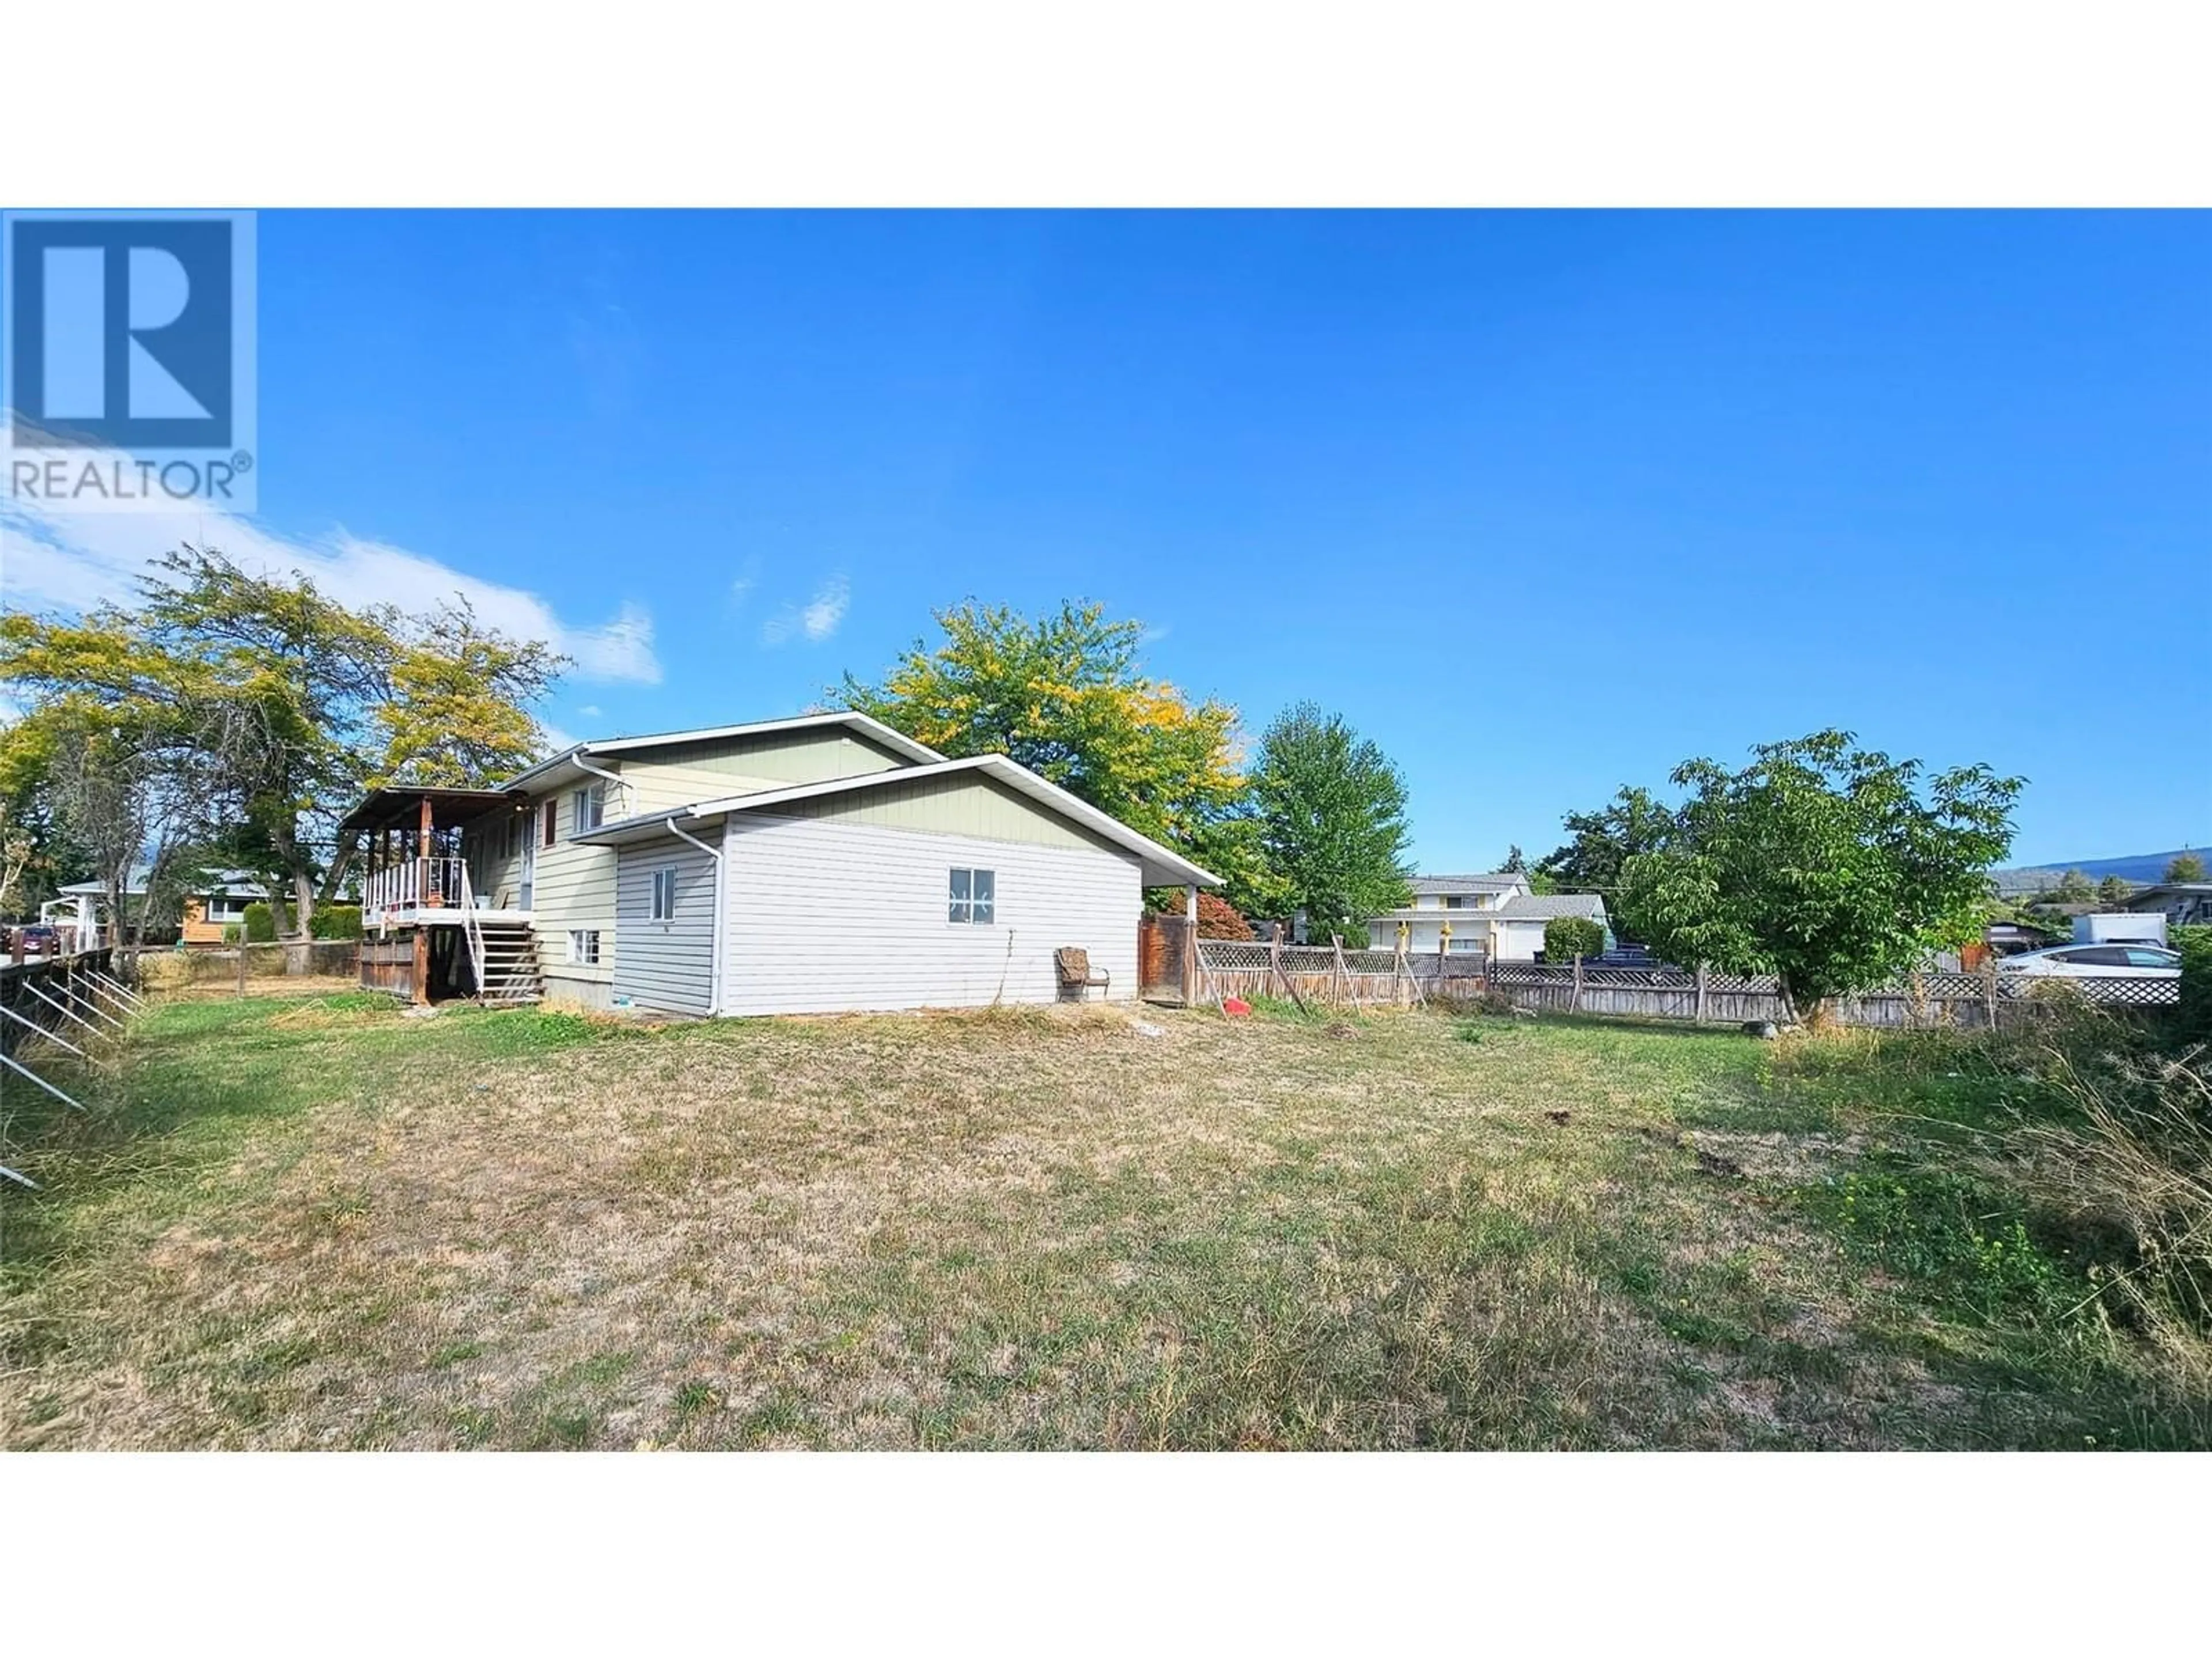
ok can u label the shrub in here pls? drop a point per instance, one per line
(336, 921)
(232, 932)
(260, 923)
(1566, 938)
(2195, 1019)
(1218, 919)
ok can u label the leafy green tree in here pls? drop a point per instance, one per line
(1514, 864)
(1566, 938)
(1633, 822)
(2075, 887)
(2186, 867)
(2114, 890)
(1065, 696)
(290, 704)
(1332, 811)
(1822, 863)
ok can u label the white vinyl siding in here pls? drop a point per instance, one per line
(665, 963)
(823, 916)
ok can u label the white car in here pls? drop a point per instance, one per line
(2096, 962)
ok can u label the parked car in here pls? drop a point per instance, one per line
(35, 941)
(2095, 962)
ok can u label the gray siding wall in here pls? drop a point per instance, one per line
(825, 917)
(666, 965)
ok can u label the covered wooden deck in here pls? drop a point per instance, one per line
(425, 933)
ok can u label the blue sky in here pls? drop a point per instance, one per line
(1544, 502)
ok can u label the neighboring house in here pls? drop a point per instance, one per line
(805, 865)
(1463, 903)
(2183, 904)
(1487, 914)
(219, 904)
(1493, 914)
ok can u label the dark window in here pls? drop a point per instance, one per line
(972, 898)
(2141, 956)
(2098, 956)
(552, 822)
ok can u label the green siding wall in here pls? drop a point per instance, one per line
(968, 805)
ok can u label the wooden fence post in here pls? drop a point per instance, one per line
(242, 951)
(1338, 981)
(1990, 992)
(1575, 1001)
(1701, 993)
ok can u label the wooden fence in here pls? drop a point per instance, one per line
(1330, 976)
(1986, 999)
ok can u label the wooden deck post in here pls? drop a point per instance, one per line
(424, 893)
(1190, 944)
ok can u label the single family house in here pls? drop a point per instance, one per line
(1494, 914)
(216, 904)
(819, 864)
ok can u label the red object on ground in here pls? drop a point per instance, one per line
(1234, 1005)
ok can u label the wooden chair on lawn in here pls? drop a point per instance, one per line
(1073, 963)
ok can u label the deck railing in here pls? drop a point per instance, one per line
(417, 884)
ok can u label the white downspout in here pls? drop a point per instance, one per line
(715, 935)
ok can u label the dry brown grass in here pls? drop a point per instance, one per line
(1021, 1228)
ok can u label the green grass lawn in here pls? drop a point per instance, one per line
(318, 1223)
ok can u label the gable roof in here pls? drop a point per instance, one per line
(231, 883)
(1499, 883)
(898, 742)
(1162, 866)
(1544, 907)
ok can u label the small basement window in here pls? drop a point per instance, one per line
(583, 946)
(664, 893)
(973, 897)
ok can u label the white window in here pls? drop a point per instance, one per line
(221, 907)
(664, 893)
(583, 946)
(972, 896)
(587, 809)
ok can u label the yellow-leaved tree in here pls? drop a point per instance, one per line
(1066, 695)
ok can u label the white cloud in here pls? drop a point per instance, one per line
(817, 619)
(590, 711)
(742, 584)
(555, 738)
(72, 562)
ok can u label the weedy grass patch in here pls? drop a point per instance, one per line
(318, 1223)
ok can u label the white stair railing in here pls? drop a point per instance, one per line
(473, 928)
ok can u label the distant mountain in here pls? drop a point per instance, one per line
(2137, 867)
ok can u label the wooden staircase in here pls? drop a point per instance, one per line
(510, 972)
